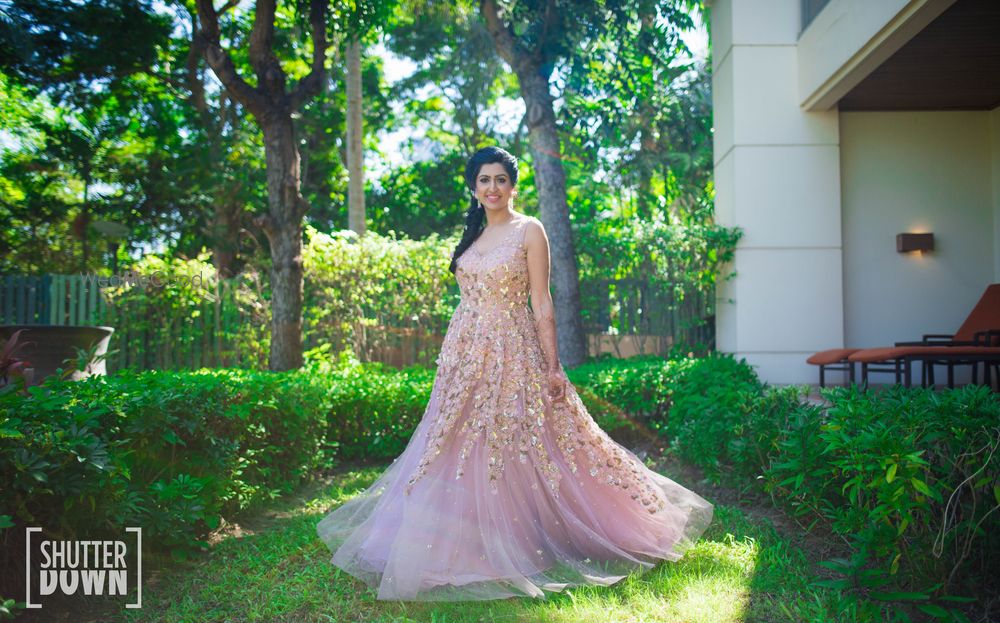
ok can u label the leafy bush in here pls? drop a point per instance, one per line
(662, 392)
(160, 300)
(174, 452)
(678, 259)
(373, 408)
(909, 477)
(374, 292)
(166, 450)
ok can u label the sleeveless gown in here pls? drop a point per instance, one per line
(501, 491)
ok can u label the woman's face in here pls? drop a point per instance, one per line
(494, 188)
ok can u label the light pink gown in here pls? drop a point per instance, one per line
(500, 491)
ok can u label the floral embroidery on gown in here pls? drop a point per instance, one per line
(502, 492)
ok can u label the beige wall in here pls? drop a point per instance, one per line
(777, 178)
(917, 172)
(821, 195)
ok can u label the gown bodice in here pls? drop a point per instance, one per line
(495, 277)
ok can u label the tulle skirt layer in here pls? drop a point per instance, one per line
(464, 538)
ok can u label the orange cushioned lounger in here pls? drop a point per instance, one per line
(903, 356)
(833, 359)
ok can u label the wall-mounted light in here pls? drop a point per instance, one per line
(906, 243)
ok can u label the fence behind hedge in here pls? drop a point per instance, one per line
(205, 338)
(623, 317)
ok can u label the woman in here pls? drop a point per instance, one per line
(507, 486)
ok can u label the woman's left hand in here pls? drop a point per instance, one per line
(557, 382)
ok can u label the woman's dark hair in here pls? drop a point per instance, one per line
(476, 214)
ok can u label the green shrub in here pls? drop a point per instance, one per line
(168, 303)
(166, 450)
(908, 477)
(665, 393)
(374, 292)
(374, 408)
(175, 451)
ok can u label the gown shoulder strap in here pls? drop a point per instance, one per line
(524, 229)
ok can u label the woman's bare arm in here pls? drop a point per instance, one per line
(537, 243)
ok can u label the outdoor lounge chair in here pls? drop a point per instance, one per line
(981, 328)
(901, 359)
(976, 342)
(833, 359)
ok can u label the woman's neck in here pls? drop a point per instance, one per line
(503, 216)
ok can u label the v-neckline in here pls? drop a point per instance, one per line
(502, 242)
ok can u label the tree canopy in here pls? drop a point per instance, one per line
(111, 115)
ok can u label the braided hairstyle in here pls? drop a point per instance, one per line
(476, 213)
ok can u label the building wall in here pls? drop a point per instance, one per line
(777, 178)
(850, 38)
(915, 172)
(820, 195)
(995, 149)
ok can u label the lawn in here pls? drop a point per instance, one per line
(272, 567)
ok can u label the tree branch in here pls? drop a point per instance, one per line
(547, 19)
(194, 82)
(313, 83)
(207, 38)
(508, 47)
(270, 76)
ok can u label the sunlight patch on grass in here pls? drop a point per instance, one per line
(703, 586)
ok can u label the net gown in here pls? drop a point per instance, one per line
(502, 492)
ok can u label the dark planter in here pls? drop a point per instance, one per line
(48, 347)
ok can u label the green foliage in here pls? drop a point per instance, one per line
(79, 50)
(421, 198)
(142, 136)
(639, 87)
(371, 292)
(175, 452)
(674, 263)
(389, 298)
(373, 408)
(683, 255)
(909, 478)
(660, 391)
(162, 296)
(166, 451)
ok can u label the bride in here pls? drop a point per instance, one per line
(507, 487)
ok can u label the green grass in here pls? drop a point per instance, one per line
(278, 570)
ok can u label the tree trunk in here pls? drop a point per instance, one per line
(644, 162)
(284, 229)
(355, 154)
(550, 180)
(272, 106)
(550, 177)
(224, 232)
